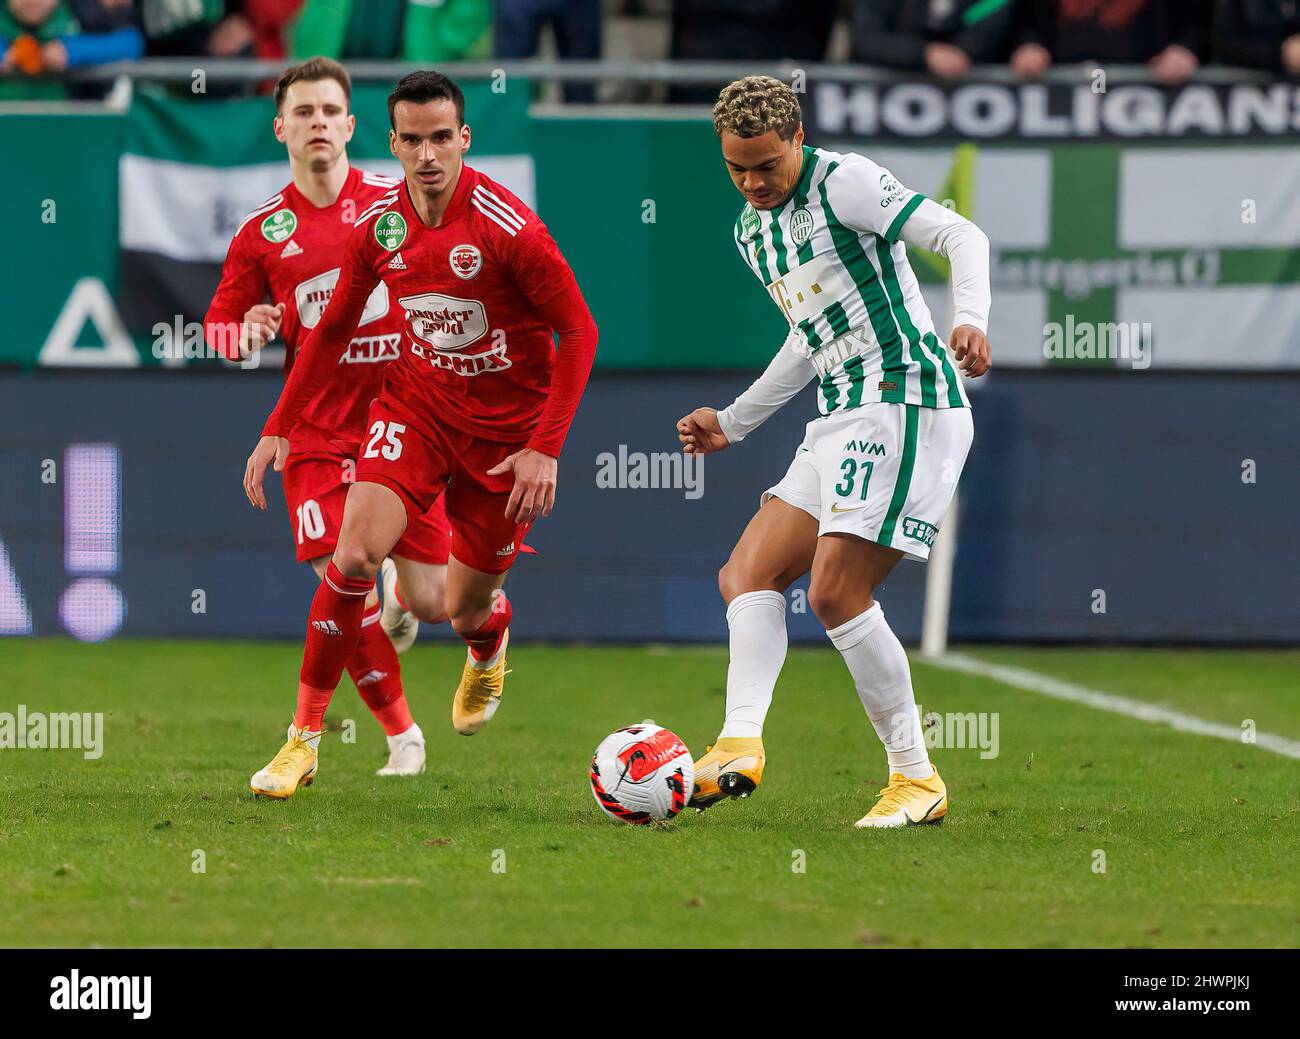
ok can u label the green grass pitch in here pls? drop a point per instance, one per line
(499, 843)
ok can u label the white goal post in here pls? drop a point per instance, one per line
(938, 585)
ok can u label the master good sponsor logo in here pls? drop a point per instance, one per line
(443, 326)
(313, 295)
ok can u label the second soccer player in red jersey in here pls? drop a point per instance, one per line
(474, 411)
(287, 250)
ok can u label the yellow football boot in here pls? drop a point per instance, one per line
(732, 767)
(479, 694)
(908, 802)
(293, 767)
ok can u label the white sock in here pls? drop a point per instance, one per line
(758, 643)
(312, 739)
(880, 671)
(413, 733)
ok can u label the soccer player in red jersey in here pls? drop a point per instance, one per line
(475, 410)
(288, 250)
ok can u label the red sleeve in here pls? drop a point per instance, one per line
(318, 358)
(546, 280)
(243, 285)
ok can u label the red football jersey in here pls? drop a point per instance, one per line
(479, 295)
(289, 250)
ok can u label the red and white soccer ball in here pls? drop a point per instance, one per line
(641, 774)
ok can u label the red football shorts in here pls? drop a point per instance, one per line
(427, 463)
(315, 489)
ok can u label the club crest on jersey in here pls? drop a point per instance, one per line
(748, 222)
(390, 230)
(801, 226)
(442, 329)
(466, 261)
(279, 226)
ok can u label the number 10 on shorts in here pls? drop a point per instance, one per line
(392, 446)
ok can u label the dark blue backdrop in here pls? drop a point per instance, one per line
(1129, 482)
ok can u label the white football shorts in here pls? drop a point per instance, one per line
(882, 472)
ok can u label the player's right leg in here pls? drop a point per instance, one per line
(480, 613)
(776, 549)
(373, 521)
(415, 577)
(377, 674)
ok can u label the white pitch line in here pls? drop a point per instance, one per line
(1045, 685)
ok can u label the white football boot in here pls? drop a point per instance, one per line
(401, 626)
(405, 754)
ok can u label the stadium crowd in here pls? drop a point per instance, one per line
(41, 39)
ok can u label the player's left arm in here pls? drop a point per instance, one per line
(966, 248)
(547, 282)
(869, 198)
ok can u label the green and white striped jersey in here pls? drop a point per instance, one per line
(831, 259)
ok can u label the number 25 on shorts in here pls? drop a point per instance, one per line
(392, 446)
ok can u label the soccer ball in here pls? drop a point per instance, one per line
(642, 773)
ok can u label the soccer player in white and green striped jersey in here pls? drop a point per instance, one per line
(825, 233)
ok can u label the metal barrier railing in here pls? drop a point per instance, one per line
(684, 73)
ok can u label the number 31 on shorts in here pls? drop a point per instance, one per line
(392, 446)
(854, 472)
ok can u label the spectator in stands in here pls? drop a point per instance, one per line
(747, 30)
(270, 19)
(192, 28)
(941, 37)
(1259, 34)
(576, 24)
(43, 37)
(427, 31)
(1167, 35)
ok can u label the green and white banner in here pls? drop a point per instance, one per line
(1182, 257)
(1103, 253)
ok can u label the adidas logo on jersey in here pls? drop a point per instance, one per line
(328, 627)
(507, 550)
(292, 249)
(397, 263)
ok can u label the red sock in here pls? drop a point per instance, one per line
(333, 627)
(484, 643)
(378, 676)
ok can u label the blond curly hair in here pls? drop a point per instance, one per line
(752, 106)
